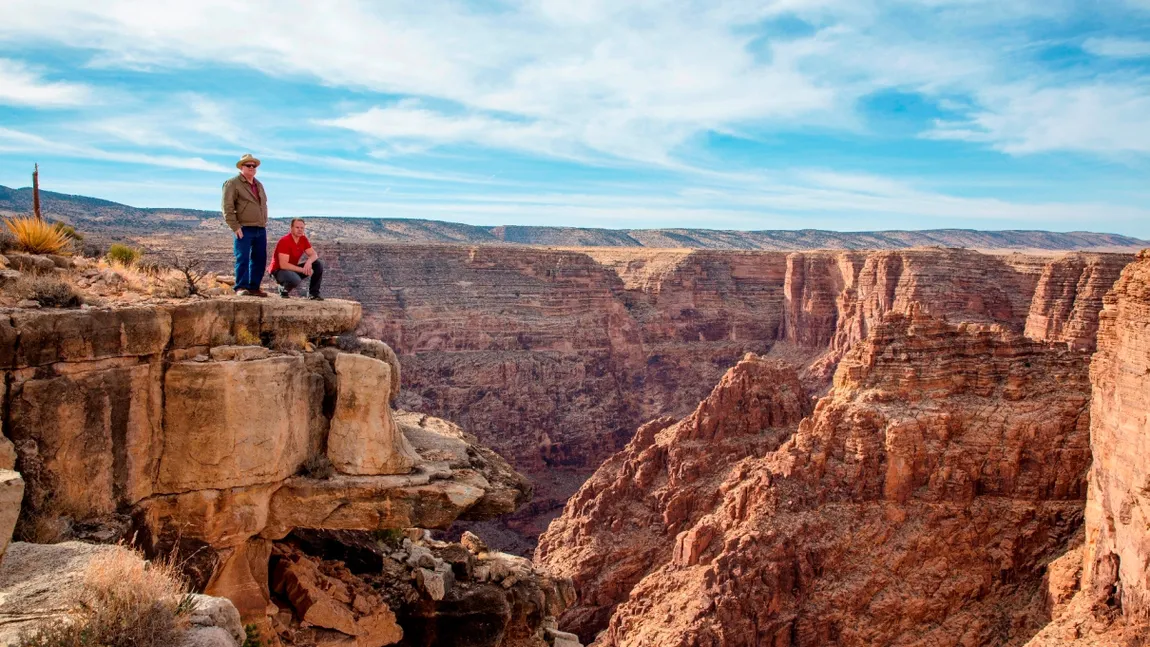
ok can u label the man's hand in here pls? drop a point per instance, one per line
(307, 268)
(240, 233)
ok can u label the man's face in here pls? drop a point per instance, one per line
(248, 170)
(297, 228)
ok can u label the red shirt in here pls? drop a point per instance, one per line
(294, 250)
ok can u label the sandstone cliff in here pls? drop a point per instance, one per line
(153, 422)
(917, 505)
(1112, 580)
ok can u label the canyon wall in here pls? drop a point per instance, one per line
(917, 504)
(554, 356)
(1103, 596)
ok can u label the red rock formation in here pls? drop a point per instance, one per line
(623, 523)
(1069, 296)
(1113, 604)
(916, 506)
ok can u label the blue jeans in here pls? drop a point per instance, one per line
(251, 258)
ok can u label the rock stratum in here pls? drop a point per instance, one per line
(916, 505)
(209, 430)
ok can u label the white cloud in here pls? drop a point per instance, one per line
(1117, 47)
(14, 141)
(1102, 118)
(19, 85)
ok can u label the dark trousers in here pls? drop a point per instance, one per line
(251, 258)
(289, 280)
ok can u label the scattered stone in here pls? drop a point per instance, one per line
(9, 276)
(219, 614)
(27, 303)
(31, 263)
(238, 353)
(473, 543)
(420, 556)
(557, 638)
(431, 583)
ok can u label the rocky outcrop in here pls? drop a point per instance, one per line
(462, 595)
(917, 505)
(1112, 604)
(215, 449)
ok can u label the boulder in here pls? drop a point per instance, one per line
(364, 438)
(11, 493)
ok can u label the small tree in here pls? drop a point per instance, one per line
(192, 270)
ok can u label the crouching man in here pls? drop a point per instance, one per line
(293, 259)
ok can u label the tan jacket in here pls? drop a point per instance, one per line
(240, 207)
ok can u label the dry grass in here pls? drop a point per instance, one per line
(317, 466)
(293, 341)
(49, 290)
(37, 236)
(245, 337)
(123, 602)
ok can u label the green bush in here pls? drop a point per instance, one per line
(69, 232)
(253, 636)
(123, 254)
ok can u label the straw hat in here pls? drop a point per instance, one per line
(245, 159)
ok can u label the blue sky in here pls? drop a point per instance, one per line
(784, 114)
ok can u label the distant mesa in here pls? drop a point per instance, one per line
(110, 218)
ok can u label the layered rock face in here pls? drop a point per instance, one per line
(217, 450)
(641, 507)
(554, 356)
(1112, 604)
(917, 505)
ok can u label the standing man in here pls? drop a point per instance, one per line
(245, 208)
(295, 258)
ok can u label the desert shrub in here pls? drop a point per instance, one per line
(49, 290)
(389, 536)
(245, 337)
(123, 602)
(7, 240)
(151, 266)
(69, 232)
(93, 249)
(252, 638)
(348, 342)
(317, 466)
(36, 236)
(125, 255)
(290, 342)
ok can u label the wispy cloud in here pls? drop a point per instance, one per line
(1102, 118)
(1118, 47)
(14, 141)
(20, 85)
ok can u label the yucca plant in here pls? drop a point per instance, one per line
(36, 236)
